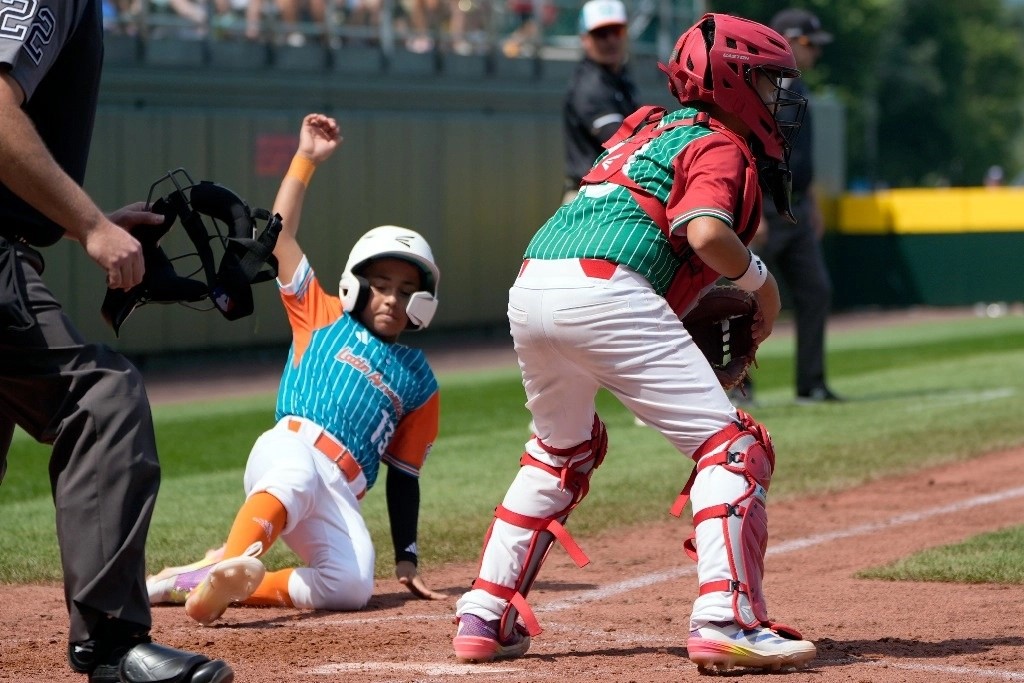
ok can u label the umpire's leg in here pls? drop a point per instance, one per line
(811, 288)
(90, 404)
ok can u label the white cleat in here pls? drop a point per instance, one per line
(228, 581)
(718, 648)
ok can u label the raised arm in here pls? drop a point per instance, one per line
(318, 138)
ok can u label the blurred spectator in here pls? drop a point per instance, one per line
(994, 176)
(362, 14)
(526, 36)
(228, 14)
(295, 12)
(601, 93)
(424, 20)
(467, 25)
(118, 15)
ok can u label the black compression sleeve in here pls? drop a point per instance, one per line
(403, 494)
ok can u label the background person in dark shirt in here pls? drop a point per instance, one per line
(601, 94)
(793, 250)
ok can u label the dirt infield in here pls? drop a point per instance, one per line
(624, 617)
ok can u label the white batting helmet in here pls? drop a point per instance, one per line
(392, 241)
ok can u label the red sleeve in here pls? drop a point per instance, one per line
(710, 175)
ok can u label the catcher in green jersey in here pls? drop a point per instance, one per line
(666, 210)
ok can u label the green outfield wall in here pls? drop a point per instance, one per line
(938, 247)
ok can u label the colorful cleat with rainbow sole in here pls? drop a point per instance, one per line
(718, 647)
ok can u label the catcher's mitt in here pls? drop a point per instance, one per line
(720, 325)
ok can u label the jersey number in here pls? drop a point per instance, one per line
(40, 35)
(13, 17)
(382, 434)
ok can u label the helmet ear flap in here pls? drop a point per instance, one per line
(355, 292)
(421, 309)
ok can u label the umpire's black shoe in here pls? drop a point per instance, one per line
(818, 395)
(152, 663)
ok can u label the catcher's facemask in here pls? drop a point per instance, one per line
(247, 253)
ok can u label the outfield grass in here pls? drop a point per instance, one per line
(922, 394)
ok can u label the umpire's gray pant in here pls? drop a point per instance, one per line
(89, 403)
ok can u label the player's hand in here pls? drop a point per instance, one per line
(319, 137)
(408, 577)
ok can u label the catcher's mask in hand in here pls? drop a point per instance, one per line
(246, 252)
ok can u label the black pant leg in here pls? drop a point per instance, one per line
(89, 402)
(794, 254)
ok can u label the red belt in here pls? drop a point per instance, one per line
(338, 454)
(592, 267)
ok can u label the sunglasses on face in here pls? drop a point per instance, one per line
(608, 32)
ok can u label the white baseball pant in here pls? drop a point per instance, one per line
(574, 334)
(324, 527)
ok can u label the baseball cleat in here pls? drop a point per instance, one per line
(228, 581)
(717, 647)
(477, 640)
(173, 584)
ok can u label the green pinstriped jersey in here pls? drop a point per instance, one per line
(604, 221)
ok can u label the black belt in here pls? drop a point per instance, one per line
(34, 258)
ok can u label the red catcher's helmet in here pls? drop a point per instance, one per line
(712, 63)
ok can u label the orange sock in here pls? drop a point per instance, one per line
(260, 520)
(272, 591)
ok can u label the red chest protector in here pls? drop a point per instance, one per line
(638, 130)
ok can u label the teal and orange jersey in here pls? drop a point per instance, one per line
(379, 399)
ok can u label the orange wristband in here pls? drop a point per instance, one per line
(301, 169)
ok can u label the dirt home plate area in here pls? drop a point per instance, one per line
(624, 617)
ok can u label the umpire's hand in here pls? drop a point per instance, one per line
(407, 576)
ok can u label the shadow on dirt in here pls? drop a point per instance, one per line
(837, 651)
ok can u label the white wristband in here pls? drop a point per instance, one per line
(754, 276)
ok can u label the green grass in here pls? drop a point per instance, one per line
(996, 557)
(922, 394)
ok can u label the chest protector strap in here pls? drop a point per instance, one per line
(637, 131)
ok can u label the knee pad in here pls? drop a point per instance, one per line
(571, 475)
(744, 450)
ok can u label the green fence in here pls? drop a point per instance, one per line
(938, 247)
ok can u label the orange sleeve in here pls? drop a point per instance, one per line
(309, 308)
(415, 437)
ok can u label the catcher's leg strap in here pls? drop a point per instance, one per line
(730, 519)
(572, 476)
(745, 423)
